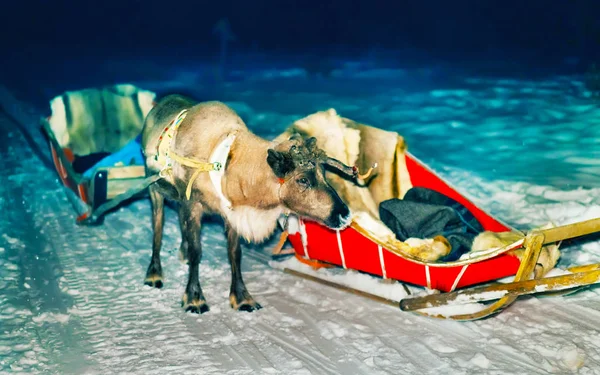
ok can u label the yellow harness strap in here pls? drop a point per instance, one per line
(199, 166)
(165, 155)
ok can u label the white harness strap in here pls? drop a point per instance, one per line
(219, 157)
(215, 167)
(304, 238)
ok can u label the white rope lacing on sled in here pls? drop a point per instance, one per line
(381, 262)
(460, 274)
(428, 277)
(340, 247)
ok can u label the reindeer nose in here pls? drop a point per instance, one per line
(345, 220)
(339, 221)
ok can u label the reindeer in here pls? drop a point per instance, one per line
(211, 163)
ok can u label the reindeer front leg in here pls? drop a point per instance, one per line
(239, 298)
(190, 218)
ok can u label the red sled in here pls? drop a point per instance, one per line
(357, 249)
(368, 246)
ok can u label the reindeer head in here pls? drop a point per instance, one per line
(300, 166)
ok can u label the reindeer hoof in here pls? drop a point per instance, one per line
(196, 306)
(154, 275)
(197, 309)
(154, 281)
(249, 307)
(248, 304)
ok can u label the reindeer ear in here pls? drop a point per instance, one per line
(281, 163)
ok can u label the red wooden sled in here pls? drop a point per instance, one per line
(355, 248)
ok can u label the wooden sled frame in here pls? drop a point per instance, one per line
(522, 284)
(504, 294)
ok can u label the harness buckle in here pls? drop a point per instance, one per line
(165, 172)
(217, 166)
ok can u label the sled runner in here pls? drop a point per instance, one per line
(94, 141)
(522, 284)
(370, 247)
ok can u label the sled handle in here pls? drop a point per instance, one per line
(565, 232)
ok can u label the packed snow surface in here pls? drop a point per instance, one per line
(72, 299)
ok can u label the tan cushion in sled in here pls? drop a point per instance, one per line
(99, 120)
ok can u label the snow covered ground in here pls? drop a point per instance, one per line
(72, 299)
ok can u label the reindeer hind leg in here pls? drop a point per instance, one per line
(191, 215)
(154, 275)
(183, 248)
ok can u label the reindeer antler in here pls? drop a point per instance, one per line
(312, 154)
(350, 172)
(368, 173)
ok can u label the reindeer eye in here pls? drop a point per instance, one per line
(303, 181)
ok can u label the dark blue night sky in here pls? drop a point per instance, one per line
(52, 46)
(539, 30)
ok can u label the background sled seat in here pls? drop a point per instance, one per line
(92, 136)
